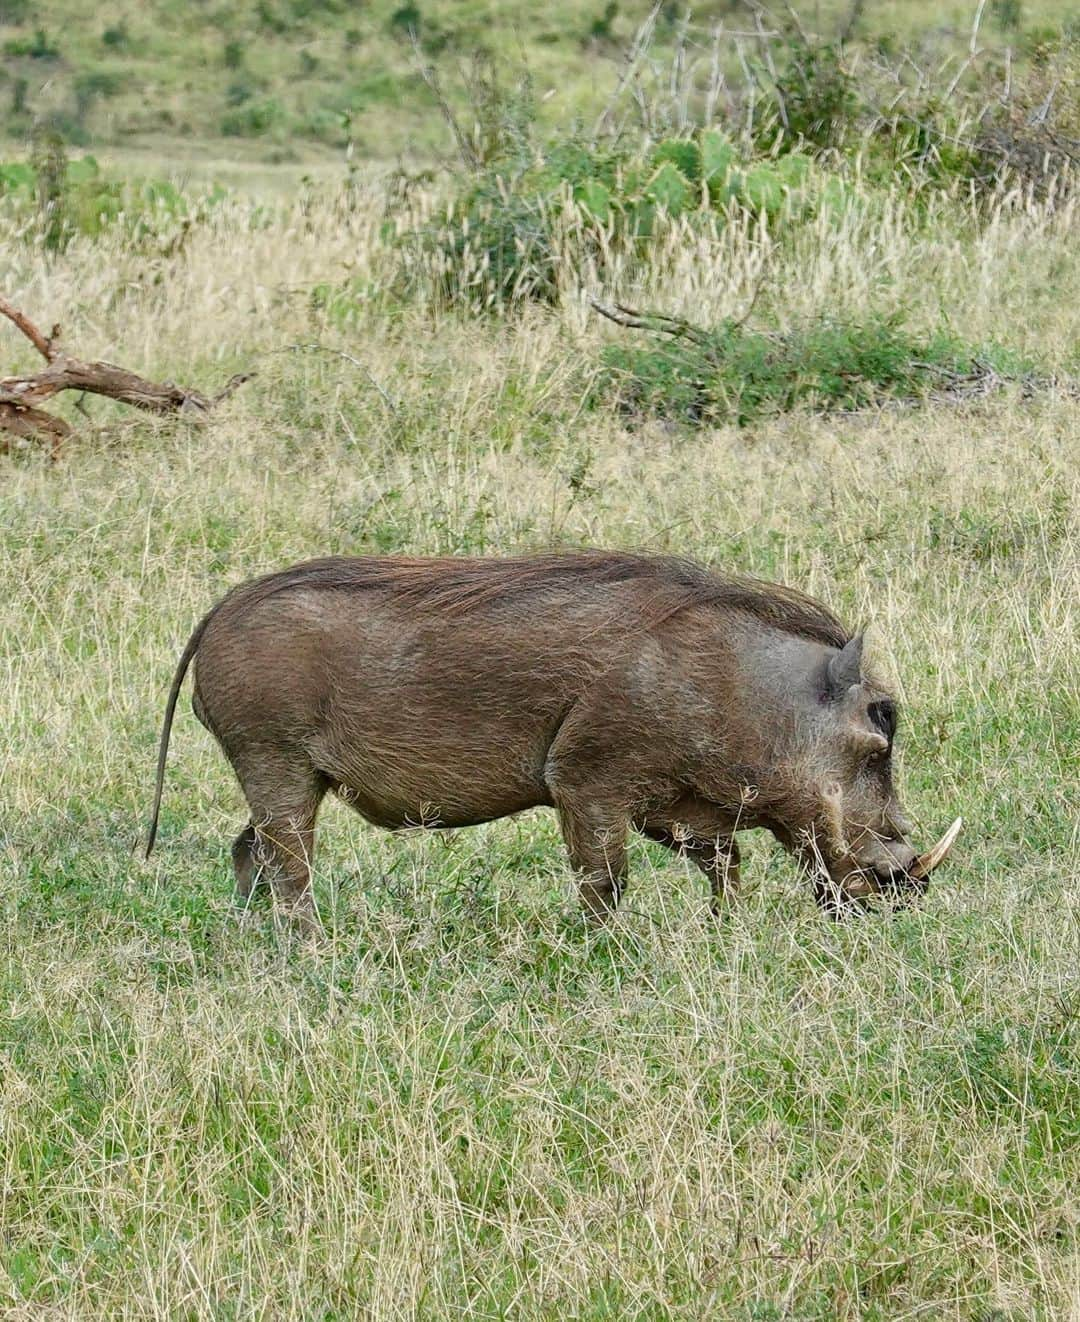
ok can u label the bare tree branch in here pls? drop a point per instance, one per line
(430, 77)
(21, 396)
(41, 344)
(638, 48)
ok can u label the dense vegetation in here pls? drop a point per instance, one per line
(850, 365)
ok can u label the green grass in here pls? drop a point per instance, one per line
(465, 1105)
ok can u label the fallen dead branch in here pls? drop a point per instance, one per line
(21, 397)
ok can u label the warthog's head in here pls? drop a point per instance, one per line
(844, 819)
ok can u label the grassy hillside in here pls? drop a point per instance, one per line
(465, 1105)
(298, 79)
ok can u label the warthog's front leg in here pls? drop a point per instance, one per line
(705, 842)
(596, 842)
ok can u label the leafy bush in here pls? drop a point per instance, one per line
(1007, 14)
(1033, 136)
(72, 197)
(601, 29)
(116, 35)
(524, 207)
(91, 85)
(253, 119)
(924, 146)
(240, 92)
(815, 99)
(496, 247)
(37, 47)
(406, 20)
(499, 240)
(734, 374)
(953, 128)
(271, 18)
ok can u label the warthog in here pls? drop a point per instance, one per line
(621, 690)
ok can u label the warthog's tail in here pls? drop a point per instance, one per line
(166, 730)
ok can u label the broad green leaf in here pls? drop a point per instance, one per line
(668, 189)
(836, 196)
(717, 155)
(762, 190)
(82, 169)
(685, 156)
(595, 197)
(640, 216)
(16, 175)
(793, 169)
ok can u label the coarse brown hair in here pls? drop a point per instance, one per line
(455, 585)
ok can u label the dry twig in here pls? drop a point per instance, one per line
(659, 322)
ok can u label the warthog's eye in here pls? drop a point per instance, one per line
(883, 715)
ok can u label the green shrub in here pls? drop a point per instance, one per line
(116, 35)
(254, 119)
(1007, 14)
(20, 90)
(734, 374)
(496, 247)
(90, 86)
(934, 137)
(317, 8)
(601, 29)
(271, 18)
(500, 238)
(815, 99)
(324, 125)
(240, 92)
(16, 177)
(406, 20)
(94, 83)
(37, 47)
(924, 147)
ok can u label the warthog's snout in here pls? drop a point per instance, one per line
(887, 867)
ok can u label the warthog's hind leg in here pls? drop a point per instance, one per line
(279, 841)
(245, 868)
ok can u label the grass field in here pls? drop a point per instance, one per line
(294, 80)
(466, 1105)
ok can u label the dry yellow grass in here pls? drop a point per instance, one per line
(464, 1106)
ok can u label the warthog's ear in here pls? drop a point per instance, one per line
(845, 668)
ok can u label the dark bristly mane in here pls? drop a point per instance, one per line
(456, 585)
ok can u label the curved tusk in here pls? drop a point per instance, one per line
(926, 863)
